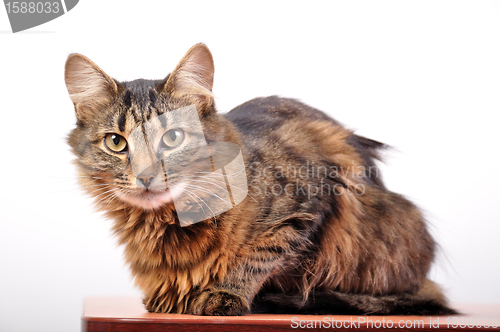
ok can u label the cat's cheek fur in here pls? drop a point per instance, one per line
(219, 302)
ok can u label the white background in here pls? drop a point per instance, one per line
(423, 76)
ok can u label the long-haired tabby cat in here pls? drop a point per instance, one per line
(317, 233)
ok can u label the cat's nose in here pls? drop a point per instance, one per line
(145, 179)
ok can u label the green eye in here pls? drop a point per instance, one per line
(115, 143)
(173, 138)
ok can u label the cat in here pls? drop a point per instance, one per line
(313, 230)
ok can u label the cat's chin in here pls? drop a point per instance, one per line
(146, 199)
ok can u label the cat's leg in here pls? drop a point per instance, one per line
(278, 247)
(233, 296)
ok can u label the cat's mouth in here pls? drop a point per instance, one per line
(149, 199)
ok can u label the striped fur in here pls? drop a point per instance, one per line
(317, 233)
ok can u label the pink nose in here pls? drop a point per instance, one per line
(145, 179)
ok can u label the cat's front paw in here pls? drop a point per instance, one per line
(220, 303)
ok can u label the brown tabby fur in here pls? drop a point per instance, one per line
(354, 252)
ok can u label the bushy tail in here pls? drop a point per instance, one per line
(428, 301)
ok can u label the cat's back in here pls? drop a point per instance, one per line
(275, 126)
(261, 116)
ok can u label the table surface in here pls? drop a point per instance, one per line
(129, 314)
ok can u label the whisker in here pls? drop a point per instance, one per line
(97, 197)
(195, 177)
(98, 188)
(212, 194)
(201, 207)
(220, 181)
(200, 181)
(203, 203)
(236, 173)
(105, 199)
(110, 199)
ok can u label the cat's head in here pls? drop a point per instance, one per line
(148, 143)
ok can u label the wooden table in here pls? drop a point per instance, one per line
(126, 314)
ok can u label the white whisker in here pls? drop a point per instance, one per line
(222, 182)
(212, 194)
(203, 203)
(201, 207)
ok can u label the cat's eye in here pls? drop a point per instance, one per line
(115, 143)
(173, 138)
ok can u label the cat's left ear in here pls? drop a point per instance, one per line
(193, 78)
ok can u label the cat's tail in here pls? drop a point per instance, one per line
(428, 301)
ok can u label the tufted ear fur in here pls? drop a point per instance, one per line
(88, 85)
(193, 78)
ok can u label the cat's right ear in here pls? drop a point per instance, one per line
(88, 85)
